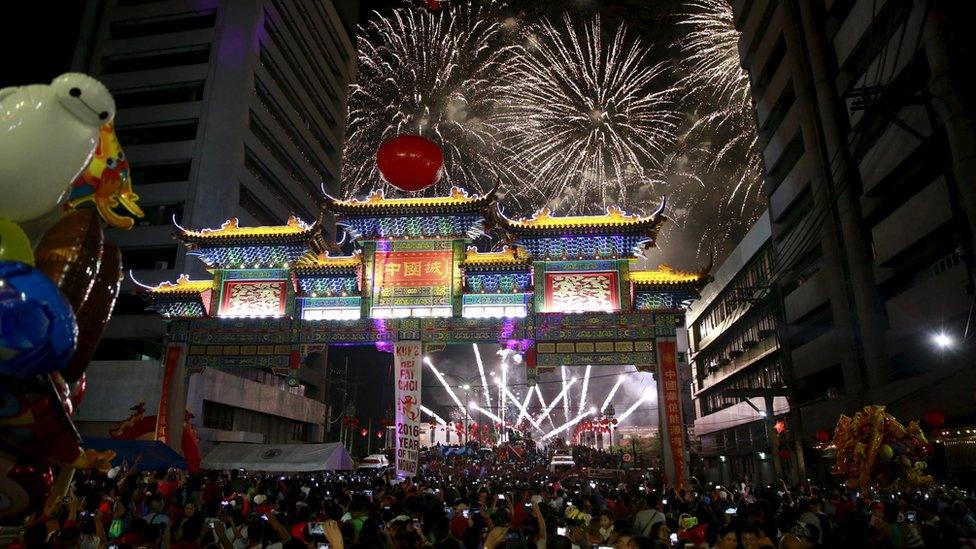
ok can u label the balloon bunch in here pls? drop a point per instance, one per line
(56, 295)
(875, 449)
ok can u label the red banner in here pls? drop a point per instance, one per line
(162, 417)
(568, 291)
(412, 269)
(667, 358)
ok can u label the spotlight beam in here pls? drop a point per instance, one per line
(586, 385)
(520, 406)
(562, 373)
(648, 395)
(560, 396)
(443, 381)
(542, 401)
(481, 371)
(567, 425)
(523, 409)
(477, 408)
(612, 392)
(430, 413)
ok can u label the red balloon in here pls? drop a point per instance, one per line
(410, 162)
(823, 436)
(934, 418)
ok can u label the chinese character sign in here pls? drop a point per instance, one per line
(667, 358)
(581, 292)
(259, 298)
(408, 365)
(413, 278)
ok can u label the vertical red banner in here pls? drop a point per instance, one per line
(667, 358)
(162, 417)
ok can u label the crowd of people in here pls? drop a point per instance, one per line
(237, 510)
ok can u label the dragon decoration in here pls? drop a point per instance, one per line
(106, 183)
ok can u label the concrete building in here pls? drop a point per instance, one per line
(226, 108)
(734, 345)
(869, 152)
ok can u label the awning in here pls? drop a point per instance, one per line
(155, 455)
(279, 458)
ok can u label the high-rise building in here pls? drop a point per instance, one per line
(865, 118)
(226, 108)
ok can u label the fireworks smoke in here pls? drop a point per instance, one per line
(437, 73)
(721, 144)
(586, 121)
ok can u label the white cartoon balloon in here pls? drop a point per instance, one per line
(47, 136)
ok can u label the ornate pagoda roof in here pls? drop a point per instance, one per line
(507, 257)
(230, 233)
(324, 263)
(614, 221)
(667, 277)
(183, 285)
(376, 204)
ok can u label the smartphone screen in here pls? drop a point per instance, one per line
(316, 528)
(501, 496)
(464, 513)
(561, 531)
(674, 538)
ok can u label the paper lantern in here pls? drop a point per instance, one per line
(934, 418)
(410, 162)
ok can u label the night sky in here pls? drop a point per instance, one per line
(53, 39)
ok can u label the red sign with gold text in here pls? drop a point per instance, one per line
(162, 417)
(412, 278)
(576, 291)
(667, 358)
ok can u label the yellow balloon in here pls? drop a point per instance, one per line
(14, 244)
(886, 452)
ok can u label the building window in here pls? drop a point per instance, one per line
(299, 431)
(147, 174)
(218, 416)
(182, 130)
(250, 204)
(160, 214)
(276, 187)
(149, 26)
(157, 59)
(181, 92)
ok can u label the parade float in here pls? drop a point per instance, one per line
(875, 450)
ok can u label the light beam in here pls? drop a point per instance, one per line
(481, 371)
(612, 392)
(648, 395)
(430, 413)
(443, 381)
(567, 425)
(586, 385)
(560, 396)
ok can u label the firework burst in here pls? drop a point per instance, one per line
(724, 134)
(437, 73)
(586, 120)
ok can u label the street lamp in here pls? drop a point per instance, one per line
(943, 340)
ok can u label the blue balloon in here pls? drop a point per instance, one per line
(38, 331)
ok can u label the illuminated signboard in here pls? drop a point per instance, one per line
(412, 279)
(581, 292)
(263, 298)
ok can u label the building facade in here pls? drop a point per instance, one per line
(861, 108)
(225, 109)
(734, 344)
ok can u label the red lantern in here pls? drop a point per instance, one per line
(934, 418)
(785, 454)
(823, 436)
(379, 434)
(780, 426)
(410, 162)
(363, 432)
